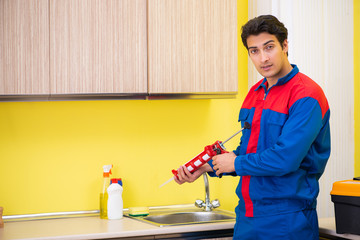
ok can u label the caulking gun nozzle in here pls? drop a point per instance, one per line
(172, 178)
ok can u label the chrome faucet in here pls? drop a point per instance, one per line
(207, 205)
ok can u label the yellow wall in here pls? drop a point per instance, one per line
(52, 153)
(357, 84)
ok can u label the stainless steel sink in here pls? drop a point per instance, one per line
(194, 216)
(187, 217)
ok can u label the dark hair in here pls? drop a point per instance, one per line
(264, 23)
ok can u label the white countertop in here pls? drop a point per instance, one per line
(327, 226)
(96, 228)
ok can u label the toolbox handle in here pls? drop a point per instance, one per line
(356, 178)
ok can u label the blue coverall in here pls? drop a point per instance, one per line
(281, 158)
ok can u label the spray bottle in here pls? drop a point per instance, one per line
(104, 194)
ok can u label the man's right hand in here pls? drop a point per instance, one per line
(184, 175)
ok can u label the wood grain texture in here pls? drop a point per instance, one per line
(24, 47)
(192, 46)
(98, 46)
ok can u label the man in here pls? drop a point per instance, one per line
(281, 158)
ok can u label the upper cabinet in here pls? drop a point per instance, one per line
(192, 46)
(118, 47)
(24, 47)
(98, 46)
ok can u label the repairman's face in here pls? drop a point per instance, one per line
(268, 56)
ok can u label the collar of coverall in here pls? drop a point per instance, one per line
(282, 80)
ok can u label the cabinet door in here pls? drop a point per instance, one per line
(98, 46)
(192, 46)
(24, 47)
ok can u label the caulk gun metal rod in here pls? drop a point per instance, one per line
(233, 135)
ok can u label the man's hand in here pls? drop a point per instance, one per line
(184, 175)
(224, 163)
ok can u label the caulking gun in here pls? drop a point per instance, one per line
(206, 155)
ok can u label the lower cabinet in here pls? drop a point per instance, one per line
(226, 234)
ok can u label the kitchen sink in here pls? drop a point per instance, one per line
(187, 217)
(183, 217)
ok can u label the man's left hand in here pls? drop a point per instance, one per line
(224, 163)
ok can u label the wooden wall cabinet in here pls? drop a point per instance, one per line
(192, 46)
(98, 46)
(24, 47)
(95, 47)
